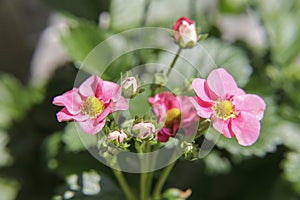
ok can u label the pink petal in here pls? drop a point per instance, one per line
(120, 104)
(190, 128)
(202, 91)
(110, 91)
(151, 100)
(164, 134)
(246, 128)
(223, 126)
(91, 126)
(239, 91)
(71, 100)
(64, 115)
(162, 102)
(179, 22)
(162, 137)
(188, 112)
(104, 114)
(221, 83)
(89, 86)
(203, 109)
(250, 103)
(81, 117)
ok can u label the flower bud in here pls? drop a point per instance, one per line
(145, 129)
(119, 136)
(129, 86)
(174, 193)
(185, 32)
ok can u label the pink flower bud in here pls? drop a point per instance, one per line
(145, 129)
(185, 32)
(130, 83)
(117, 135)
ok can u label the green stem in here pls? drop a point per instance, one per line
(152, 164)
(144, 187)
(137, 59)
(149, 183)
(124, 185)
(145, 15)
(174, 61)
(162, 179)
(202, 127)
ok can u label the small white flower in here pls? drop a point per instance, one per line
(145, 129)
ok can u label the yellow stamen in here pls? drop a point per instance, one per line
(172, 115)
(224, 109)
(92, 107)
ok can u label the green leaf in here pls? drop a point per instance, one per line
(8, 189)
(121, 14)
(291, 167)
(52, 146)
(281, 19)
(139, 106)
(287, 80)
(15, 99)
(84, 8)
(215, 164)
(206, 56)
(159, 13)
(233, 6)
(5, 158)
(81, 38)
(76, 140)
(94, 51)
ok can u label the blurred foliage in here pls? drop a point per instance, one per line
(15, 100)
(89, 9)
(39, 155)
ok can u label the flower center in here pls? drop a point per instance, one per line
(172, 115)
(92, 107)
(224, 109)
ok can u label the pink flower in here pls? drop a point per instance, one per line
(185, 32)
(176, 112)
(90, 104)
(232, 111)
(145, 129)
(119, 136)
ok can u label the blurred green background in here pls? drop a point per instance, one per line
(44, 41)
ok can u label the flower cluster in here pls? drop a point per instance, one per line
(231, 111)
(217, 100)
